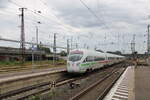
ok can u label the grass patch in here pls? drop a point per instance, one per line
(34, 98)
(9, 63)
(29, 63)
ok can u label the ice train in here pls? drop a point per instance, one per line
(82, 60)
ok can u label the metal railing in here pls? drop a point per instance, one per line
(17, 41)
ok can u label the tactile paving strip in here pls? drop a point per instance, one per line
(121, 89)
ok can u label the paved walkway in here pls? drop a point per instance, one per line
(18, 75)
(142, 83)
(134, 84)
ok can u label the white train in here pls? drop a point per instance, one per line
(81, 60)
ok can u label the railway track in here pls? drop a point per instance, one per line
(7, 69)
(65, 92)
(46, 86)
(11, 87)
(26, 66)
(22, 68)
(27, 91)
(101, 87)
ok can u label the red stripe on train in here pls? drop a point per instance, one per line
(105, 61)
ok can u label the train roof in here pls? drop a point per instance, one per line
(95, 53)
(113, 55)
(89, 52)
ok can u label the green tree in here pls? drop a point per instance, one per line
(47, 50)
(63, 53)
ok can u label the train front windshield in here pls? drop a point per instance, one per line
(75, 56)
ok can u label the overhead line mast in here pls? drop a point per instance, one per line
(68, 47)
(54, 49)
(148, 40)
(22, 45)
(133, 44)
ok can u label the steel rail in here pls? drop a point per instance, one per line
(29, 88)
(86, 90)
(34, 75)
(104, 93)
(18, 91)
(50, 84)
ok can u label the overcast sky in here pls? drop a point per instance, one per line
(111, 29)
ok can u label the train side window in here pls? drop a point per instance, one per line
(89, 59)
(95, 58)
(99, 58)
(111, 58)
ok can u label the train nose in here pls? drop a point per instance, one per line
(72, 67)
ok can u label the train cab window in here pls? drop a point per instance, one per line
(75, 57)
(84, 60)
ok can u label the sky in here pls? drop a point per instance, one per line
(108, 25)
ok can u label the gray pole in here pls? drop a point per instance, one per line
(84, 46)
(118, 41)
(37, 47)
(54, 49)
(32, 56)
(76, 45)
(37, 33)
(22, 45)
(95, 48)
(71, 42)
(105, 42)
(68, 48)
(133, 44)
(148, 40)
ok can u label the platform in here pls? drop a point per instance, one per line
(134, 84)
(124, 87)
(142, 83)
(17, 75)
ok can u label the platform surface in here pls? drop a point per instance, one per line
(142, 83)
(18, 75)
(134, 84)
(124, 87)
